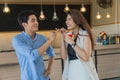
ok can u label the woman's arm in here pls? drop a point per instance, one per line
(84, 53)
(62, 47)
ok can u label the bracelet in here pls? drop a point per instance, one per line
(73, 45)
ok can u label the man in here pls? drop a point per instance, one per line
(30, 47)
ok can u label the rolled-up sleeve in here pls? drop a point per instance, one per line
(50, 52)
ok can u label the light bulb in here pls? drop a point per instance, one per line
(42, 16)
(55, 17)
(66, 9)
(98, 16)
(6, 9)
(108, 15)
(83, 9)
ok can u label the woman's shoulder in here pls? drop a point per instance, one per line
(83, 32)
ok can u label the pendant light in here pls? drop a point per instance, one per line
(6, 9)
(83, 9)
(55, 17)
(98, 15)
(66, 9)
(42, 16)
(108, 14)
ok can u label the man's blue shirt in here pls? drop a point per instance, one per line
(30, 61)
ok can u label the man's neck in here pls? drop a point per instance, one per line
(31, 34)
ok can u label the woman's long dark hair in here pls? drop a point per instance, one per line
(80, 20)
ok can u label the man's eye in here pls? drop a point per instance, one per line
(32, 20)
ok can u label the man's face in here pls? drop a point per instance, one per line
(31, 25)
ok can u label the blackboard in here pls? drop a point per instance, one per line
(8, 22)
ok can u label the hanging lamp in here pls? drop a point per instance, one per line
(66, 9)
(6, 9)
(55, 17)
(42, 16)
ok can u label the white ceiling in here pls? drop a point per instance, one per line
(44, 1)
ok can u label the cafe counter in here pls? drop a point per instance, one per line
(106, 57)
(107, 61)
(9, 67)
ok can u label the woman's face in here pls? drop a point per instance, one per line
(70, 23)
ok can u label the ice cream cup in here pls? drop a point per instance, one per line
(70, 34)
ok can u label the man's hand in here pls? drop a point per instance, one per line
(47, 72)
(52, 35)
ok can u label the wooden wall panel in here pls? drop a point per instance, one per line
(108, 66)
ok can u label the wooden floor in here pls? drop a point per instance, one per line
(117, 78)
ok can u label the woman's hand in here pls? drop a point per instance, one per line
(68, 39)
(62, 32)
(64, 36)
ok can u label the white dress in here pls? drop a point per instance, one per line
(79, 69)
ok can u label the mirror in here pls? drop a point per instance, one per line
(104, 3)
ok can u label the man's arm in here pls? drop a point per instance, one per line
(49, 68)
(45, 46)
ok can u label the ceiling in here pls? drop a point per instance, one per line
(44, 1)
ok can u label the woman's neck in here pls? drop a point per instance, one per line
(76, 31)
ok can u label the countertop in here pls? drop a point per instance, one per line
(102, 47)
(7, 57)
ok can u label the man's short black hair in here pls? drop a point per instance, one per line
(24, 16)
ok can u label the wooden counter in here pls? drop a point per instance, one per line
(7, 58)
(10, 57)
(9, 67)
(102, 47)
(107, 61)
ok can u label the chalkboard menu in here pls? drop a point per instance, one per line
(8, 22)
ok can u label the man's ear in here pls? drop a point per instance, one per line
(24, 24)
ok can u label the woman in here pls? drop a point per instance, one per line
(76, 51)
